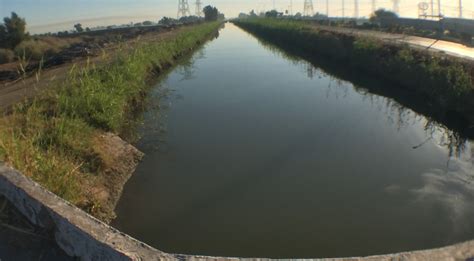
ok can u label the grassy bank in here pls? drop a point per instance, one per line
(446, 83)
(53, 138)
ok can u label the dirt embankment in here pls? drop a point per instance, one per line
(22, 80)
(442, 84)
(118, 161)
(69, 152)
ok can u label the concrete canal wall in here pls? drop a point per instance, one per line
(80, 235)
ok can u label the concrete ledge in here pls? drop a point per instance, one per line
(76, 232)
(83, 236)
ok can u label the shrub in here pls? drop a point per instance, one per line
(30, 50)
(6, 56)
(12, 31)
(36, 49)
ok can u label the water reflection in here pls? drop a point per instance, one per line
(255, 153)
(396, 113)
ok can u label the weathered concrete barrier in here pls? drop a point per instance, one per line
(76, 232)
(80, 235)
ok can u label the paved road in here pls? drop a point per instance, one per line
(450, 48)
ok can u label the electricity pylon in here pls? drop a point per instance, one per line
(308, 8)
(183, 8)
(374, 6)
(198, 8)
(460, 8)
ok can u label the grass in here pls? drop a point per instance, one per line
(445, 82)
(51, 138)
(39, 47)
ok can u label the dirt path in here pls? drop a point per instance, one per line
(22, 89)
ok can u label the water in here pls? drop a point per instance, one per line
(252, 153)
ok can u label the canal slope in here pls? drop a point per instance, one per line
(443, 82)
(73, 137)
(256, 153)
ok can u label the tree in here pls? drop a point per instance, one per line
(220, 16)
(3, 37)
(167, 21)
(189, 19)
(210, 13)
(380, 16)
(79, 28)
(12, 31)
(272, 14)
(147, 23)
(243, 16)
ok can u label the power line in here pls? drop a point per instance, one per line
(359, 8)
(356, 8)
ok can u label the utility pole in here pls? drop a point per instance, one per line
(343, 10)
(183, 8)
(291, 7)
(198, 8)
(274, 5)
(327, 8)
(396, 6)
(439, 9)
(460, 8)
(432, 8)
(308, 8)
(356, 8)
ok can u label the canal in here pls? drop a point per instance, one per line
(254, 153)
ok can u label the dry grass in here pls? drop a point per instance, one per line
(37, 48)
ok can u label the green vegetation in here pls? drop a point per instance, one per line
(52, 138)
(445, 82)
(78, 28)
(212, 14)
(381, 14)
(12, 31)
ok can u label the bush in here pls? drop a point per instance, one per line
(6, 56)
(30, 50)
(36, 49)
(12, 31)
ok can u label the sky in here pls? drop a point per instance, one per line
(54, 15)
